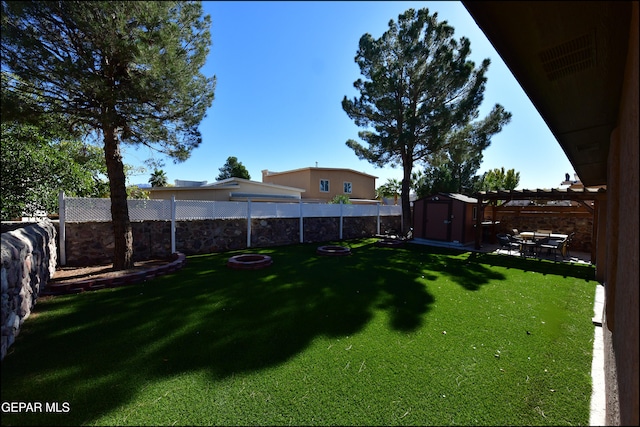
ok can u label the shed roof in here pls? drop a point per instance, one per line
(455, 196)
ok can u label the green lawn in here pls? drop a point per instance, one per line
(386, 336)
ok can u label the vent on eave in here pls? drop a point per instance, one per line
(569, 57)
(587, 147)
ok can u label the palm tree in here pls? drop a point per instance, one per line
(391, 188)
(158, 178)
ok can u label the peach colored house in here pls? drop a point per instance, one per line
(323, 184)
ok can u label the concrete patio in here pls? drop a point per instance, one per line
(573, 256)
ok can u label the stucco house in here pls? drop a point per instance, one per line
(323, 184)
(231, 189)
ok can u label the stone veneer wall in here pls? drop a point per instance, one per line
(91, 243)
(29, 258)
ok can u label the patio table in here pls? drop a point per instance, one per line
(530, 240)
(532, 235)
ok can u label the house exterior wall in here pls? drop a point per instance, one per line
(363, 186)
(621, 339)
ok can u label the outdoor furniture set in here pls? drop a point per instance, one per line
(536, 243)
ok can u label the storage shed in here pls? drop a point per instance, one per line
(447, 217)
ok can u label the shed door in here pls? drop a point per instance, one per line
(438, 221)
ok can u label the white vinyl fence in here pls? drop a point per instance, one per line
(77, 209)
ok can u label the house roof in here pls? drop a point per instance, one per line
(569, 58)
(235, 182)
(229, 183)
(461, 197)
(238, 188)
(270, 173)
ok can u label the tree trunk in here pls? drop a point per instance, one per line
(407, 221)
(122, 234)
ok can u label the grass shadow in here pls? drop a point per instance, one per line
(564, 269)
(101, 347)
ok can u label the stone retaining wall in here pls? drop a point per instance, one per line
(29, 259)
(91, 243)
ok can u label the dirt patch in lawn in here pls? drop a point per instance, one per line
(72, 274)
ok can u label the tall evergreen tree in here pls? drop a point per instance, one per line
(454, 169)
(419, 86)
(233, 168)
(128, 71)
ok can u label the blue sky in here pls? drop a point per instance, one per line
(283, 69)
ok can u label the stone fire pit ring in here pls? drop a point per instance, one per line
(333, 250)
(390, 243)
(249, 261)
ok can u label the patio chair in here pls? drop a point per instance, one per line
(506, 242)
(519, 243)
(565, 249)
(528, 248)
(552, 246)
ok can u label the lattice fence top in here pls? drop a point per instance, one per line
(89, 209)
(200, 209)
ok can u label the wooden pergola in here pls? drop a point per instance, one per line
(583, 195)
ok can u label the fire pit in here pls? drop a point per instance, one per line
(249, 261)
(390, 242)
(333, 250)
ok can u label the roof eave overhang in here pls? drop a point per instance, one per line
(569, 58)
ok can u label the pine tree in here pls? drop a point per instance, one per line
(127, 71)
(419, 86)
(233, 168)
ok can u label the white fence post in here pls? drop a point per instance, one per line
(301, 222)
(340, 219)
(378, 223)
(62, 232)
(173, 224)
(248, 223)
